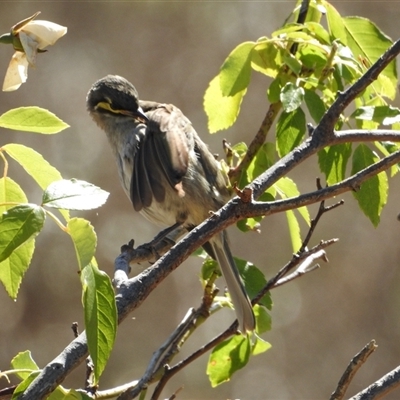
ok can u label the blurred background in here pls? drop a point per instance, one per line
(171, 51)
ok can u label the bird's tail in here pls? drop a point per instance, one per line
(241, 301)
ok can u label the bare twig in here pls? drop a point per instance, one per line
(355, 364)
(303, 268)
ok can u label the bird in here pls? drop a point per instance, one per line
(167, 171)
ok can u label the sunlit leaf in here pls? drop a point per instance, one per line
(74, 194)
(235, 72)
(290, 131)
(254, 280)
(333, 162)
(13, 268)
(221, 110)
(315, 105)
(291, 97)
(19, 225)
(24, 360)
(368, 43)
(228, 357)
(100, 316)
(32, 119)
(35, 165)
(84, 239)
(372, 195)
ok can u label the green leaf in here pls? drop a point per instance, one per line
(263, 319)
(13, 268)
(368, 43)
(263, 160)
(287, 188)
(32, 119)
(333, 162)
(221, 110)
(260, 346)
(267, 58)
(294, 230)
(315, 105)
(228, 357)
(235, 73)
(293, 63)
(24, 360)
(10, 192)
(100, 316)
(61, 393)
(385, 115)
(335, 23)
(19, 225)
(291, 97)
(372, 196)
(20, 389)
(291, 128)
(74, 194)
(84, 238)
(254, 280)
(35, 165)
(318, 31)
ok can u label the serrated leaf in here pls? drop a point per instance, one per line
(35, 165)
(291, 128)
(368, 43)
(13, 268)
(333, 162)
(291, 97)
(24, 360)
(84, 239)
(235, 72)
(228, 357)
(100, 316)
(32, 119)
(221, 111)
(372, 196)
(74, 194)
(19, 225)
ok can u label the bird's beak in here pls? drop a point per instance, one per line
(138, 114)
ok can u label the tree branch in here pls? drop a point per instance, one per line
(380, 388)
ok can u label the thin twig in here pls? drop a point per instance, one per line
(353, 367)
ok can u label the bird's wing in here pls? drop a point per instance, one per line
(162, 155)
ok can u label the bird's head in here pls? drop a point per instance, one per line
(114, 96)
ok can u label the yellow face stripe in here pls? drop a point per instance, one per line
(107, 106)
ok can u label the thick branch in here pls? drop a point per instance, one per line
(380, 388)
